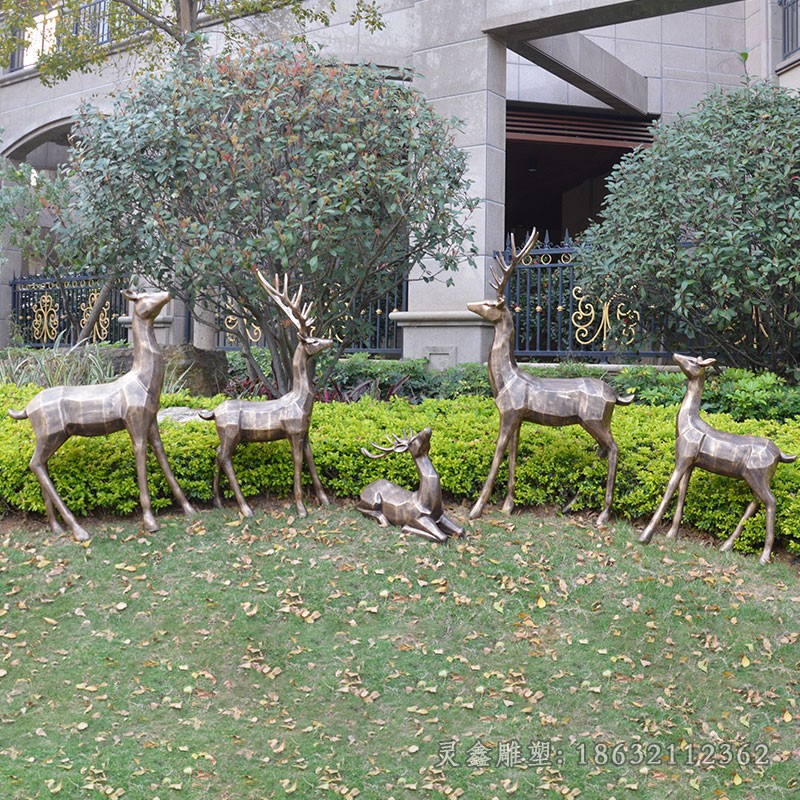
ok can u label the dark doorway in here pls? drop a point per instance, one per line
(556, 166)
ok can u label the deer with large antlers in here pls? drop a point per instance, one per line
(420, 512)
(287, 417)
(520, 397)
(753, 459)
(130, 402)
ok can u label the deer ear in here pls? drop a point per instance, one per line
(707, 362)
(130, 294)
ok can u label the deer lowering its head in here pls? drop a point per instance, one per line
(520, 397)
(130, 402)
(753, 459)
(287, 417)
(419, 512)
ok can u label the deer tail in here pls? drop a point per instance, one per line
(785, 458)
(624, 401)
(206, 414)
(18, 414)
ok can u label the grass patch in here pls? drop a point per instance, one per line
(327, 658)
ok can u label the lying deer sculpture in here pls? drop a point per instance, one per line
(419, 512)
(130, 402)
(520, 397)
(753, 459)
(287, 417)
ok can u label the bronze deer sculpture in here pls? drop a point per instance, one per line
(420, 512)
(130, 402)
(520, 397)
(753, 459)
(287, 417)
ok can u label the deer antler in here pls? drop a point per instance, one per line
(499, 280)
(399, 446)
(299, 315)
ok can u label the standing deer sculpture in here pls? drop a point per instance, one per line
(419, 512)
(753, 459)
(287, 417)
(520, 397)
(130, 402)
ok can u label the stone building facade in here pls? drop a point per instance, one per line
(551, 93)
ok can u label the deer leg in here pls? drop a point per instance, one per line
(513, 446)
(427, 529)
(52, 499)
(224, 462)
(677, 474)
(672, 533)
(154, 437)
(217, 495)
(297, 458)
(760, 485)
(727, 545)
(139, 444)
(608, 448)
(446, 525)
(374, 512)
(499, 451)
(320, 492)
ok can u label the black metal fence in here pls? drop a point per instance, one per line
(41, 309)
(791, 27)
(558, 317)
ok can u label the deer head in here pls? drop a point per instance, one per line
(418, 444)
(146, 305)
(500, 274)
(692, 366)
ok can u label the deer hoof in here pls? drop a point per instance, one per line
(476, 512)
(726, 547)
(81, 534)
(646, 537)
(603, 519)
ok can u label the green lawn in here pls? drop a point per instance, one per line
(327, 657)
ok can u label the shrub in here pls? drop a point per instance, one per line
(98, 474)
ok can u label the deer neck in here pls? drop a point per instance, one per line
(690, 406)
(502, 361)
(148, 359)
(429, 481)
(302, 382)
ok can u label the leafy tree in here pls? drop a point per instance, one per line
(342, 177)
(84, 32)
(703, 227)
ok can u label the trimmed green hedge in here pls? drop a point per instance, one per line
(98, 474)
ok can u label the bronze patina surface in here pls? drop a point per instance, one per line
(287, 417)
(420, 512)
(130, 402)
(752, 459)
(520, 397)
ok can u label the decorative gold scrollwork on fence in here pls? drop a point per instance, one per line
(45, 319)
(100, 329)
(232, 324)
(589, 329)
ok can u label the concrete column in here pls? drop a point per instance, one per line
(463, 74)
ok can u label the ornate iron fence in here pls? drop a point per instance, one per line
(559, 318)
(40, 308)
(383, 336)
